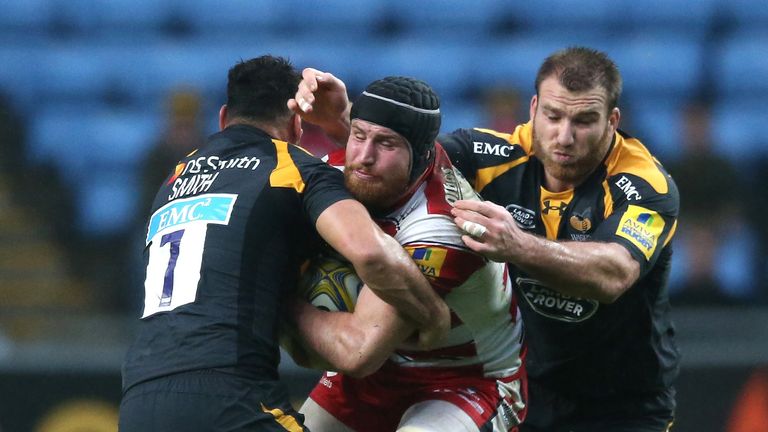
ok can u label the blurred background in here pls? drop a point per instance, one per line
(100, 98)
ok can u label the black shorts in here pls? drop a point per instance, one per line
(208, 400)
(550, 412)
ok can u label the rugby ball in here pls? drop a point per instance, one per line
(330, 283)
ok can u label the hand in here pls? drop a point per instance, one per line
(501, 240)
(429, 337)
(321, 99)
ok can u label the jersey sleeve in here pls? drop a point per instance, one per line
(639, 216)
(458, 146)
(323, 185)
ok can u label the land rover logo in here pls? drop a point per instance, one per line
(554, 305)
(525, 218)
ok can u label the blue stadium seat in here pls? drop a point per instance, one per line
(745, 15)
(446, 67)
(76, 139)
(107, 202)
(738, 129)
(514, 61)
(650, 16)
(740, 65)
(461, 113)
(129, 18)
(660, 65)
(215, 17)
(21, 73)
(445, 17)
(332, 18)
(656, 122)
(25, 17)
(540, 18)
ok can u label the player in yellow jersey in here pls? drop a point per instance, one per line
(583, 214)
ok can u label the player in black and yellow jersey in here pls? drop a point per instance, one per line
(584, 215)
(228, 231)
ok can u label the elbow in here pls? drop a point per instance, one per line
(360, 358)
(360, 365)
(615, 288)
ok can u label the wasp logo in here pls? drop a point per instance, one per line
(548, 206)
(580, 223)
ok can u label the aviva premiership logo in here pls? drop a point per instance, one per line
(555, 305)
(428, 259)
(642, 227)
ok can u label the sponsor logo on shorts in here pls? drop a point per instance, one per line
(555, 305)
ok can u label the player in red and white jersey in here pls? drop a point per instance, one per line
(474, 379)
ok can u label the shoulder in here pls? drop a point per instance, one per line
(489, 142)
(630, 160)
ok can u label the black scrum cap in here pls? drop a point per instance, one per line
(407, 106)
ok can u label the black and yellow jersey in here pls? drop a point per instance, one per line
(227, 233)
(579, 347)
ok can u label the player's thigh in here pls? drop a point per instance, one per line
(317, 419)
(436, 416)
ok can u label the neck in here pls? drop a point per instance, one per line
(272, 130)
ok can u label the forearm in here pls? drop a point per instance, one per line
(356, 343)
(338, 129)
(595, 270)
(394, 278)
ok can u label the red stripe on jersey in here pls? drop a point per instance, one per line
(435, 189)
(337, 158)
(458, 266)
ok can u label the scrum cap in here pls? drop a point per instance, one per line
(407, 106)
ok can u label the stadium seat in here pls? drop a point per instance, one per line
(25, 17)
(652, 16)
(321, 19)
(740, 65)
(540, 18)
(446, 67)
(738, 129)
(660, 65)
(745, 15)
(76, 140)
(447, 18)
(126, 18)
(223, 18)
(657, 123)
(106, 201)
(21, 74)
(514, 61)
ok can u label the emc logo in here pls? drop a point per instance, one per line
(480, 147)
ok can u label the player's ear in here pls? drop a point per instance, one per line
(534, 104)
(614, 117)
(223, 117)
(295, 129)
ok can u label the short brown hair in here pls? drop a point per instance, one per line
(580, 69)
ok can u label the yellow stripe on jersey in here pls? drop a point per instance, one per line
(487, 175)
(642, 227)
(671, 233)
(553, 205)
(522, 136)
(285, 173)
(286, 421)
(607, 199)
(630, 156)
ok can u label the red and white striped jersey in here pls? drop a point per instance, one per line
(486, 336)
